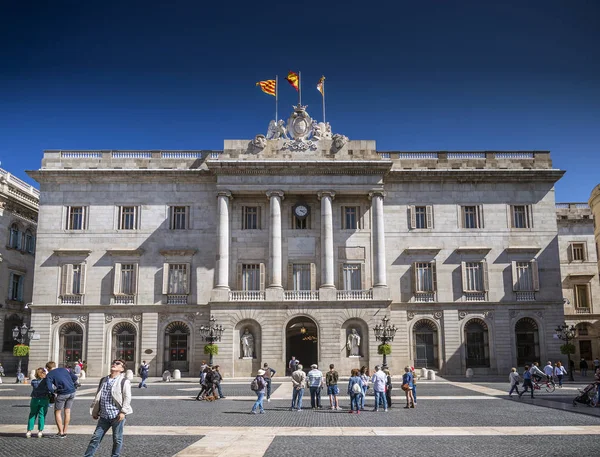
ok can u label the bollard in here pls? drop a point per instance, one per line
(32, 374)
(469, 373)
(129, 375)
(166, 376)
(431, 375)
(176, 374)
(424, 373)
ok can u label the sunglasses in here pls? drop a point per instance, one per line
(116, 362)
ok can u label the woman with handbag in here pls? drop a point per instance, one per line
(38, 407)
(407, 385)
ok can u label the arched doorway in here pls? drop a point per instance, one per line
(477, 344)
(302, 341)
(177, 347)
(425, 344)
(528, 341)
(123, 343)
(71, 343)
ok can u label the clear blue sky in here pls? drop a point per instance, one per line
(431, 75)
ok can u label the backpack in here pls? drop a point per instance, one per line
(356, 388)
(254, 385)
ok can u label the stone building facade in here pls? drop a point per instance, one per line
(300, 241)
(18, 225)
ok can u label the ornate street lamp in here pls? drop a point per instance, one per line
(211, 334)
(22, 336)
(566, 333)
(384, 333)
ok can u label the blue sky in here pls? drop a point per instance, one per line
(431, 75)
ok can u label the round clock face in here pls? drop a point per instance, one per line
(301, 210)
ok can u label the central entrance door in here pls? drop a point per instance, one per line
(302, 341)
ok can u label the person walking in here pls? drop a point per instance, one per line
(2, 374)
(217, 378)
(269, 373)
(414, 387)
(38, 406)
(64, 381)
(293, 365)
(143, 371)
(407, 380)
(513, 378)
(315, 382)
(298, 385)
(583, 367)
(260, 393)
(331, 380)
(559, 372)
(111, 404)
(527, 382)
(365, 376)
(355, 390)
(204, 383)
(596, 363)
(379, 380)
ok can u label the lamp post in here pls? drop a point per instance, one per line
(211, 334)
(384, 333)
(22, 336)
(566, 333)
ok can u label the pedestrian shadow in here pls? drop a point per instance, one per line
(12, 435)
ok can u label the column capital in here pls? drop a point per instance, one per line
(224, 193)
(377, 193)
(326, 193)
(275, 193)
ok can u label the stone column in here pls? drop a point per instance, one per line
(380, 279)
(275, 263)
(222, 267)
(327, 265)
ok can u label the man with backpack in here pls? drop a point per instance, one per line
(258, 385)
(111, 405)
(143, 372)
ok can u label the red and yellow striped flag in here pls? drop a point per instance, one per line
(321, 85)
(293, 79)
(268, 87)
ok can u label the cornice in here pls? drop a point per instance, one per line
(97, 175)
(476, 175)
(297, 167)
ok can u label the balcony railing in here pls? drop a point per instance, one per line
(301, 295)
(247, 295)
(177, 299)
(71, 299)
(124, 300)
(474, 296)
(583, 310)
(355, 294)
(525, 296)
(425, 297)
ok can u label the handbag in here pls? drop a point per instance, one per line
(51, 398)
(405, 387)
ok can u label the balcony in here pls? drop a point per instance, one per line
(301, 295)
(525, 296)
(124, 299)
(71, 299)
(474, 296)
(177, 299)
(247, 295)
(355, 294)
(583, 310)
(425, 297)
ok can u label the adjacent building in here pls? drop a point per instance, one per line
(297, 244)
(18, 224)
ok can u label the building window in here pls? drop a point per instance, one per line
(581, 293)
(76, 218)
(424, 277)
(350, 217)
(301, 276)
(15, 287)
(474, 276)
(472, 217)
(577, 252)
(71, 343)
(178, 279)
(250, 218)
(73, 279)
(128, 218)
(124, 336)
(15, 237)
(125, 279)
(179, 217)
(525, 276)
(421, 217)
(528, 341)
(176, 346)
(351, 276)
(29, 242)
(521, 216)
(251, 276)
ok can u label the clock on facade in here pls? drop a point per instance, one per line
(301, 210)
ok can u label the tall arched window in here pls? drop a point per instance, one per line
(528, 341)
(124, 336)
(425, 343)
(71, 343)
(477, 344)
(176, 346)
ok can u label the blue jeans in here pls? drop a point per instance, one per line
(268, 380)
(259, 402)
(364, 395)
(559, 379)
(143, 383)
(355, 400)
(101, 429)
(219, 390)
(414, 389)
(297, 395)
(380, 396)
(315, 397)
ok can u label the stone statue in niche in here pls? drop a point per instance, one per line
(353, 343)
(247, 341)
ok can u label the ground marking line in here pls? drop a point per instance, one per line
(253, 398)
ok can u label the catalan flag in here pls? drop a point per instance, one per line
(321, 85)
(293, 79)
(268, 87)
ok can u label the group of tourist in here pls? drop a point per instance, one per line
(359, 382)
(58, 386)
(210, 382)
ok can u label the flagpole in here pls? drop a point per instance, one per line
(299, 88)
(276, 95)
(323, 100)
